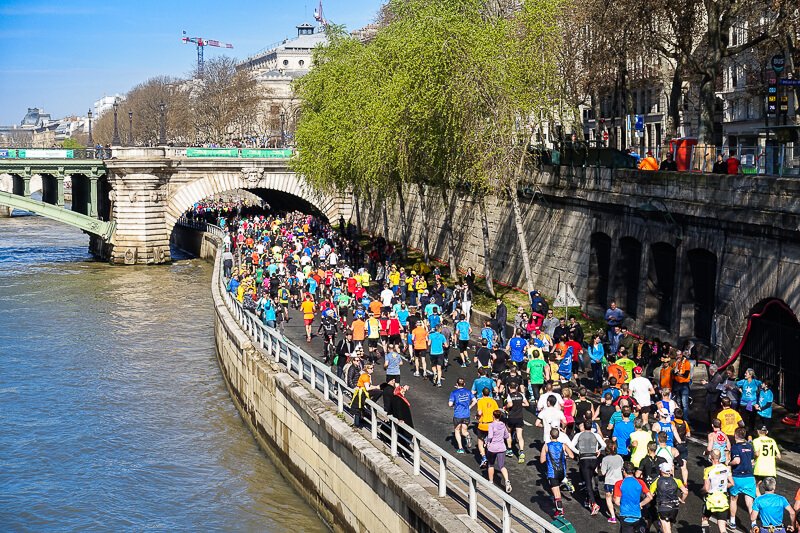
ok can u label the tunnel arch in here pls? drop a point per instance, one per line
(280, 190)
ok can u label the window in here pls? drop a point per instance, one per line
(301, 62)
(285, 62)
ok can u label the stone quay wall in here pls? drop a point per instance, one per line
(353, 485)
(747, 225)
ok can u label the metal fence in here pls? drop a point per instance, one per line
(768, 160)
(483, 501)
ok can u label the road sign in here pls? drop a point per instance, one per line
(789, 82)
(784, 104)
(639, 123)
(778, 62)
(566, 297)
(772, 97)
(605, 135)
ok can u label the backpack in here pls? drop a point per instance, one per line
(666, 494)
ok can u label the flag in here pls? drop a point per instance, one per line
(565, 366)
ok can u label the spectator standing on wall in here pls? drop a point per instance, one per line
(720, 167)
(732, 163)
(669, 164)
(614, 317)
(649, 163)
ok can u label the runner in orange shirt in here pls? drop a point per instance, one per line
(419, 338)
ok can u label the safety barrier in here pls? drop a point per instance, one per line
(483, 501)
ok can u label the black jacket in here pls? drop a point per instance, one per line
(401, 410)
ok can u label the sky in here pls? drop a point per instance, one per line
(64, 55)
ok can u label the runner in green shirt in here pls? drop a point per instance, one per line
(537, 370)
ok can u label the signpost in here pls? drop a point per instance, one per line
(772, 97)
(789, 82)
(566, 297)
(778, 63)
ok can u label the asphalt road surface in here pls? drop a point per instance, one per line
(433, 417)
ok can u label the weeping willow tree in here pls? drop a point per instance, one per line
(441, 98)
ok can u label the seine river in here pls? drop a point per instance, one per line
(113, 410)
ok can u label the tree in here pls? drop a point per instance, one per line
(225, 101)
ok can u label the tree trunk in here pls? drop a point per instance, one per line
(448, 230)
(520, 224)
(426, 248)
(403, 220)
(707, 102)
(487, 260)
(674, 106)
(358, 213)
(384, 200)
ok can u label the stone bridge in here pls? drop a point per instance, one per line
(143, 191)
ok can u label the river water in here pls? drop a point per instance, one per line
(113, 411)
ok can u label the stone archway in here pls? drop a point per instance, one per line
(283, 183)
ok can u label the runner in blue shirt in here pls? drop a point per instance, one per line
(516, 349)
(769, 508)
(436, 346)
(621, 426)
(462, 400)
(488, 333)
(631, 495)
(481, 382)
(463, 329)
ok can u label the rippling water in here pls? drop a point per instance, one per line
(113, 411)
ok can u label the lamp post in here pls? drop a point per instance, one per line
(91, 141)
(283, 131)
(115, 139)
(162, 129)
(130, 128)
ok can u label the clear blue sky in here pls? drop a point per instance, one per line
(63, 55)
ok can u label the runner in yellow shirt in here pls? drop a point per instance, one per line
(308, 307)
(766, 451)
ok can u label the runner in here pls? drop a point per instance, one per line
(515, 405)
(669, 493)
(498, 442)
(766, 451)
(437, 343)
(716, 482)
(589, 445)
(769, 508)
(486, 407)
(744, 483)
(554, 454)
(462, 400)
(308, 308)
(631, 495)
(419, 339)
(463, 330)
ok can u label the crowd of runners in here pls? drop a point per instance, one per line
(616, 405)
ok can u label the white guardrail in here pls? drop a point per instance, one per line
(483, 501)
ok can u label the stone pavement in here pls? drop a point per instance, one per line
(433, 417)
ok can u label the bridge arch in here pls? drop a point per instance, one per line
(285, 189)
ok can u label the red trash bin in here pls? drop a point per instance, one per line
(681, 149)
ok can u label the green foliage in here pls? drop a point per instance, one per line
(443, 95)
(72, 144)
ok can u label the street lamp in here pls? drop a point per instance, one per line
(115, 139)
(283, 131)
(130, 128)
(162, 130)
(91, 141)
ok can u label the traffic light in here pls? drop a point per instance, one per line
(772, 97)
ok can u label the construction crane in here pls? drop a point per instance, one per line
(202, 43)
(319, 16)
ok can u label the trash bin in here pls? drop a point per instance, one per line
(681, 149)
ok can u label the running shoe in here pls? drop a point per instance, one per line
(484, 462)
(612, 520)
(469, 442)
(416, 374)
(460, 451)
(521, 458)
(508, 486)
(463, 365)
(732, 523)
(595, 509)
(509, 453)
(569, 486)
(439, 383)
(559, 512)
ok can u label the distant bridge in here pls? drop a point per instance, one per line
(130, 201)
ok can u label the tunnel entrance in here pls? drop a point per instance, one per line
(769, 347)
(661, 285)
(701, 290)
(599, 269)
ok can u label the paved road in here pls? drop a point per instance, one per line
(433, 417)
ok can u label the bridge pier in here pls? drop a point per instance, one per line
(138, 203)
(22, 185)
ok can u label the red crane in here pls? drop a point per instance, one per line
(201, 43)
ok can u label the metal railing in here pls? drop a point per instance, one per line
(483, 501)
